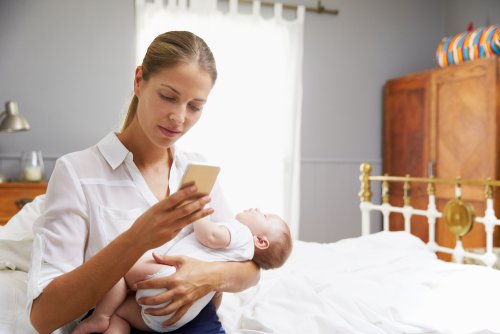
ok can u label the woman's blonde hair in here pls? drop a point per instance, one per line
(168, 50)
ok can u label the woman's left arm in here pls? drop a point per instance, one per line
(193, 280)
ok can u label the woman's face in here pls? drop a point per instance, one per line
(171, 101)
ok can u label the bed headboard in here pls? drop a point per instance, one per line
(458, 214)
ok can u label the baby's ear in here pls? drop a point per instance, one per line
(260, 241)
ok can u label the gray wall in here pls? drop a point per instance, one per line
(459, 13)
(69, 64)
(347, 61)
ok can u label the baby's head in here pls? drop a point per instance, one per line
(271, 237)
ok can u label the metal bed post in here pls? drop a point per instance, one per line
(433, 213)
(458, 251)
(386, 207)
(365, 196)
(407, 210)
(489, 225)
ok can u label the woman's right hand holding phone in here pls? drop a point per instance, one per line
(165, 219)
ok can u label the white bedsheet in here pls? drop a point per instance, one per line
(382, 283)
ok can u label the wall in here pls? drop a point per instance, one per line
(459, 13)
(69, 64)
(347, 61)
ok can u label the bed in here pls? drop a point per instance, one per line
(382, 282)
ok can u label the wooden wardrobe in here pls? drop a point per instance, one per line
(448, 121)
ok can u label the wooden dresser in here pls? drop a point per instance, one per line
(14, 194)
(448, 118)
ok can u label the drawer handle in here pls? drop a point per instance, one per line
(22, 202)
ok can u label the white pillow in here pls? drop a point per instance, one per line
(13, 315)
(16, 237)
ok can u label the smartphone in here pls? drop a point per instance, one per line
(203, 176)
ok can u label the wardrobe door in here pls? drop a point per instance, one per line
(406, 142)
(464, 134)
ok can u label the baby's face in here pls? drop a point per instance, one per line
(258, 222)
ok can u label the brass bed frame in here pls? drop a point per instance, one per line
(458, 214)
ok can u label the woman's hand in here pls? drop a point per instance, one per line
(165, 219)
(192, 280)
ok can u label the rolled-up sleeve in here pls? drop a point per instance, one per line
(61, 232)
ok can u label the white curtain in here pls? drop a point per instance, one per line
(251, 123)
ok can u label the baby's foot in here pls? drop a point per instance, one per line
(93, 324)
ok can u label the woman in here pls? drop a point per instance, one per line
(109, 204)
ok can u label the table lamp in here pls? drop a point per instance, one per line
(12, 121)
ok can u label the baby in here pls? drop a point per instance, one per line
(252, 235)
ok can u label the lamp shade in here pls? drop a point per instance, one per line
(11, 120)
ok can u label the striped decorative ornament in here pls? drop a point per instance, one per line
(479, 43)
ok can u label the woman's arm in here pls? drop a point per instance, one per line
(195, 279)
(72, 294)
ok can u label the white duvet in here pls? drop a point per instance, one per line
(387, 282)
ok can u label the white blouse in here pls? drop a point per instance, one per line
(93, 196)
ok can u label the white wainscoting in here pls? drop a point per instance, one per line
(329, 199)
(329, 195)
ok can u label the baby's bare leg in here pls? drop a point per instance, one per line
(118, 325)
(141, 269)
(131, 311)
(99, 321)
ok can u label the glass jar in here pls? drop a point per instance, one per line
(32, 169)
